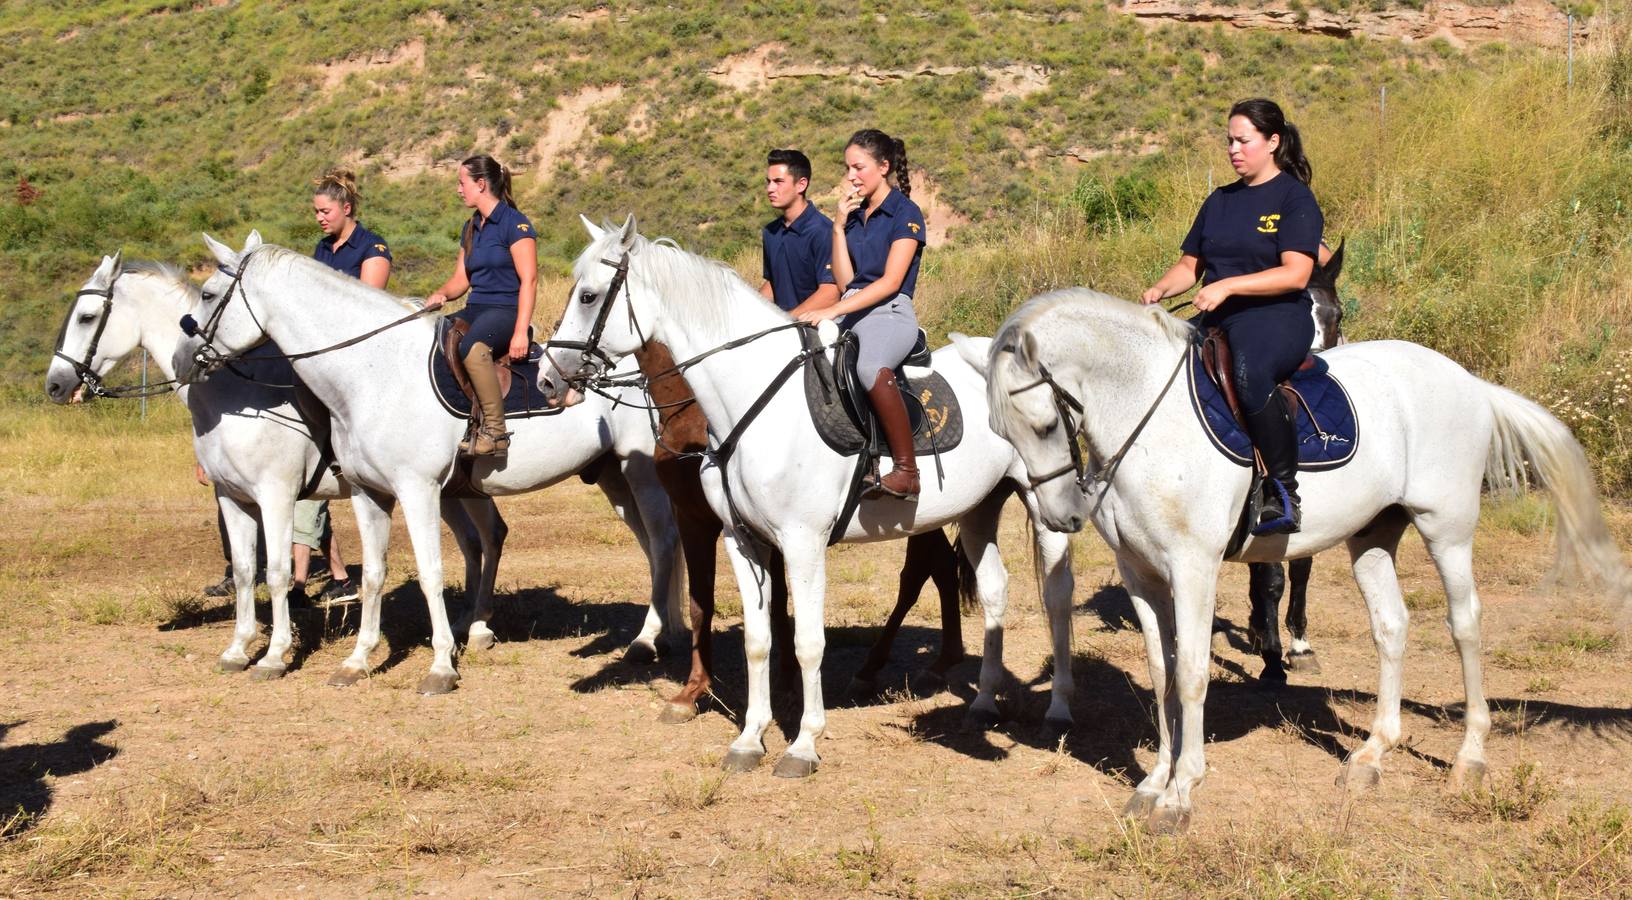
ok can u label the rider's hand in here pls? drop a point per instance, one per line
(1152, 295)
(199, 476)
(1210, 296)
(518, 346)
(435, 300)
(816, 316)
(849, 202)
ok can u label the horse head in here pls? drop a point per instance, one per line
(590, 339)
(220, 325)
(95, 335)
(1328, 305)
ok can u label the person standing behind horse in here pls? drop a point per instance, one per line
(348, 247)
(797, 245)
(498, 265)
(878, 242)
(1254, 245)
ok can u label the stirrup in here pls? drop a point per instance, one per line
(1290, 517)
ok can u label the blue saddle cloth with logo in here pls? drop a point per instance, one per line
(1328, 431)
(522, 401)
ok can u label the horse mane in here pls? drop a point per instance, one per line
(1097, 304)
(693, 287)
(166, 272)
(291, 260)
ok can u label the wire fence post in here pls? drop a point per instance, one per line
(144, 384)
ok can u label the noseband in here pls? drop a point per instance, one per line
(207, 358)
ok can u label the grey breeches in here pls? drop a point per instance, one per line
(885, 334)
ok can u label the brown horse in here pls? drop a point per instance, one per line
(682, 432)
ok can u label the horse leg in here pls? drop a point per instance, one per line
(1264, 626)
(665, 557)
(782, 651)
(489, 530)
(643, 649)
(241, 528)
(943, 570)
(469, 543)
(699, 529)
(1372, 551)
(977, 534)
(749, 748)
(278, 524)
(419, 511)
(1052, 558)
(373, 513)
(1452, 552)
(1194, 585)
(1300, 655)
(919, 567)
(806, 560)
(1153, 605)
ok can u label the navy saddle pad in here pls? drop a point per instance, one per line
(1328, 432)
(523, 401)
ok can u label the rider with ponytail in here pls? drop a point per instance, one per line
(1254, 245)
(878, 241)
(346, 245)
(498, 264)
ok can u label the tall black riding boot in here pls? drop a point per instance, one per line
(1276, 437)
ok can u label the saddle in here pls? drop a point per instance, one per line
(1328, 431)
(518, 381)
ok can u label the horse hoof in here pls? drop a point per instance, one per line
(742, 760)
(266, 673)
(1467, 776)
(1140, 805)
(677, 713)
(1168, 820)
(929, 682)
(346, 676)
(481, 640)
(790, 766)
(439, 683)
(1358, 778)
(1272, 678)
(640, 654)
(861, 689)
(980, 720)
(1055, 730)
(1303, 662)
(231, 666)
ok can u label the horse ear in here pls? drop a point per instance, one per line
(595, 231)
(970, 353)
(628, 236)
(1025, 351)
(223, 254)
(118, 261)
(253, 241)
(1334, 266)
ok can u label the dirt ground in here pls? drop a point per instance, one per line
(128, 766)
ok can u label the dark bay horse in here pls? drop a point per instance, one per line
(682, 432)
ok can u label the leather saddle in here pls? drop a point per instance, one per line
(843, 415)
(518, 381)
(1218, 363)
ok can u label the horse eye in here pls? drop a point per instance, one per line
(87, 318)
(208, 296)
(587, 297)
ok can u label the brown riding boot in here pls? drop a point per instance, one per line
(891, 410)
(491, 438)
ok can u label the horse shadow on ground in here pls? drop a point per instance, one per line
(24, 794)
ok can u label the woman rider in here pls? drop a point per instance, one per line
(878, 241)
(498, 264)
(1254, 244)
(348, 247)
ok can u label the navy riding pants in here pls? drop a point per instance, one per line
(1267, 344)
(490, 325)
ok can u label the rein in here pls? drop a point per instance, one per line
(84, 369)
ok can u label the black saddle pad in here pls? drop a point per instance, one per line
(837, 403)
(1328, 430)
(523, 401)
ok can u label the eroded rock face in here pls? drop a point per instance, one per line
(1535, 22)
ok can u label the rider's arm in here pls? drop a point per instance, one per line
(1291, 275)
(844, 271)
(454, 287)
(824, 296)
(524, 254)
(1182, 277)
(376, 271)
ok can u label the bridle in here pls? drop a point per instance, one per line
(84, 369)
(1064, 406)
(595, 361)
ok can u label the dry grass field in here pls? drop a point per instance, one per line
(129, 767)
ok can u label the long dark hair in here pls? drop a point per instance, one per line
(485, 168)
(885, 149)
(1267, 117)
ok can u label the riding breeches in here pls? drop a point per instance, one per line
(490, 325)
(885, 334)
(1267, 344)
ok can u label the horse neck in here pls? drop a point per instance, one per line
(682, 423)
(304, 309)
(158, 304)
(1115, 395)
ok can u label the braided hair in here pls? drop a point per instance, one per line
(888, 150)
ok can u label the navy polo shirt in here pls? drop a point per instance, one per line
(1242, 230)
(361, 245)
(870, 238)
(488, 265)
(798, 258)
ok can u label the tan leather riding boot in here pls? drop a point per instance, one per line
(902, 481)
(491, 439)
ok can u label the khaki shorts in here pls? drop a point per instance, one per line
(311, 522)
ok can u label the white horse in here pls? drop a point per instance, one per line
(1430, 433)
(784, 485)
(396, 443)
(255, 441)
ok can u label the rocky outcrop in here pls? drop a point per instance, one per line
(1536, 22)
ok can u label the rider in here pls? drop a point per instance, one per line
(348, 247)
(498, 264)
(798, 244)
(878, 241)
(1255, 242)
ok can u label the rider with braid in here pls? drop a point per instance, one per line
(878, 242)
(498, 264)
(1254, 244)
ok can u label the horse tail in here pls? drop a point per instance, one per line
(1530, 443)
(968, 597)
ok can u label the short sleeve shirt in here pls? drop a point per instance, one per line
(798, 257)
(489, 266)
(1242, 230)
(361, 245)
(870, 238)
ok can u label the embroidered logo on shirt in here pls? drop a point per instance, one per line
(524, 228)
(1267, 225)
(915, 227)
(380, 247)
